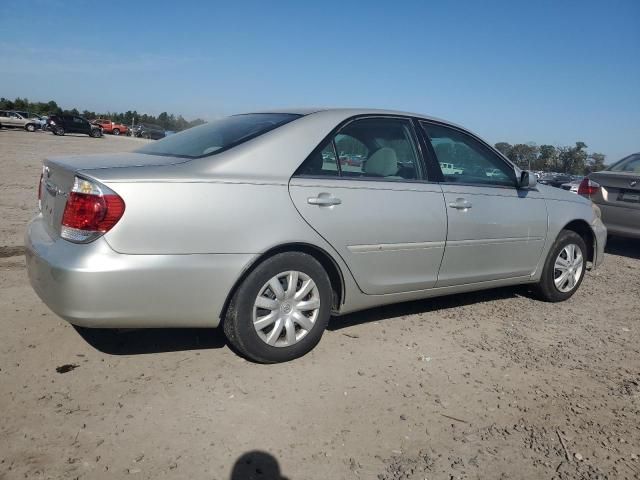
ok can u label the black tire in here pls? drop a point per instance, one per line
(59, 131)
(30, 127)
(238, 322)
(116, 131)
(546, 289)
(95, 133)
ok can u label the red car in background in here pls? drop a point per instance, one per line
(108, 126)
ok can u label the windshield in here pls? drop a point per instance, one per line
(628, 164)
(217, 136)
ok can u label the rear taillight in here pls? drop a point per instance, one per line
(588, 187)
(91, 211)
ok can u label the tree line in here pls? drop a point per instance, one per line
(565, 159)
(168, 121)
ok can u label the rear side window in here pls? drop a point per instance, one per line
(368, 148)
(322, 163)
(217, 136)
(629, 164)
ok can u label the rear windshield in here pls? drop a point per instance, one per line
(628, 164)
(217, 136)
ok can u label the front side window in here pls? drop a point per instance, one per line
(464, 159)
(217, 136)
(369, 148)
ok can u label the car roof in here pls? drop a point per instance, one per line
(352, 112)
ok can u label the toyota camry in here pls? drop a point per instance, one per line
(253, 223)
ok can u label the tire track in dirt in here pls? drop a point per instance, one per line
(11, 251)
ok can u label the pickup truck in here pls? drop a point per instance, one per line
(108, 126)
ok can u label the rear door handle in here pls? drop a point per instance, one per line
(461, 204)
(324, 200)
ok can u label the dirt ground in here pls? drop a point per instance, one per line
(491, 385)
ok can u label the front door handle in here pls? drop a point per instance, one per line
(324, 200)
(461, 204)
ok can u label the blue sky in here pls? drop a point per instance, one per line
(519, 71)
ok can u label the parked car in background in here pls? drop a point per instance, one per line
(305, 239)
(39, 120)
(62, 124)
(450, 169)
(616, 191)
(11, 119)
(108, 126)
(148, 130)
(554, 180)
(571, 186)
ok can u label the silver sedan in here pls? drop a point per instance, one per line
(616, 191)
(269, 223)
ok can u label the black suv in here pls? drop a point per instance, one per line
(148, 130)
(61, 124)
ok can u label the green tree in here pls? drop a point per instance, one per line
(595, 163)
(547, 158)
(573, 159)
(524, 155)
(504, 148)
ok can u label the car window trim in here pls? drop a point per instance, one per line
(429, 156)
(479, 140)
(331, 136)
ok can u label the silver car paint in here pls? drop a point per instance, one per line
(620, 217)
(191, 228)
(499, 236)
(391, 234)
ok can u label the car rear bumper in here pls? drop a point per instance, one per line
(91, 285)
(623, 221)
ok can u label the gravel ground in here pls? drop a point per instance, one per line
(486, 385)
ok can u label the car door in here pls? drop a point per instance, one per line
(15, 120)
(365, 191)
(495, 230)
(80, 125)
(67, 123)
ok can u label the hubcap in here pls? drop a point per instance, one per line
(568, 268)
(286, 309)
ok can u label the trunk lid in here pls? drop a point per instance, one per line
(617, 188)
(57, 182)
(58, 174)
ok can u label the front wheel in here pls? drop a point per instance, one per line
(116, 131)
(30, 127)
(59, 131)
(280, 310)
(564, 268)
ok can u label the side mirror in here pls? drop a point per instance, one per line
(527, 180)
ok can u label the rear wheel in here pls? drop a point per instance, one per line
(116, 131)
(280, 310)
(564, 268)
